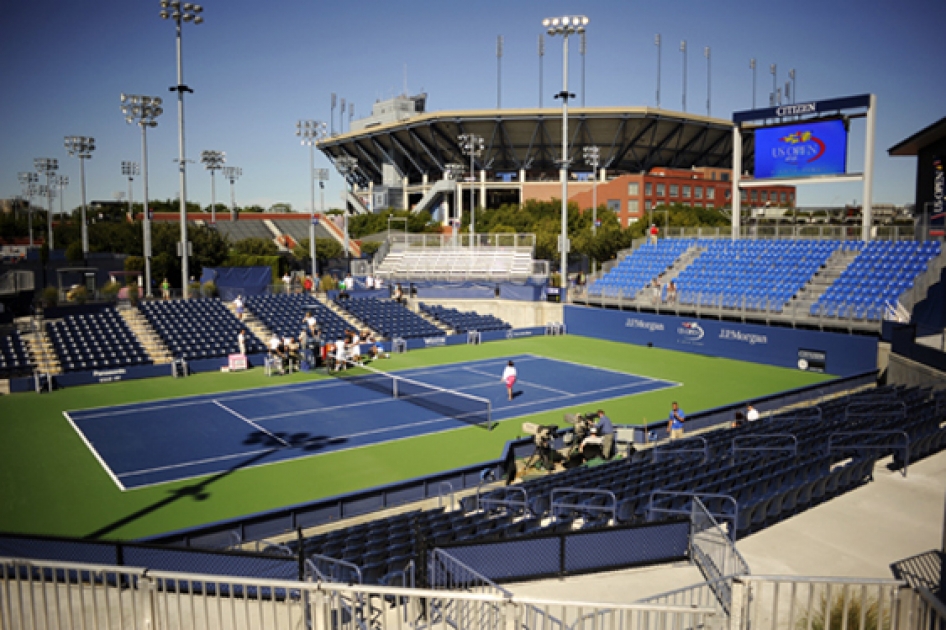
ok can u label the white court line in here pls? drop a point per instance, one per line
(601, 369)
(521, 382)
(220, 458)
(250, 422)
(669, 385)
(88, 445)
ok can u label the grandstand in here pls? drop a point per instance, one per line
(95, 341)
(850, 283)
(197, 329)
(283, 314)
(389, 318)
(15, 358)
(462, 322)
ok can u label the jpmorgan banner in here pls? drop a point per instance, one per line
(838, 354)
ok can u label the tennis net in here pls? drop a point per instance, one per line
(447, 402)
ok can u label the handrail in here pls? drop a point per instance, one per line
(651, 510)
(871, 408)
(794, 446)
(905, 446)
(485, 500)
(668, 449)
(332, 562)
(554, 505)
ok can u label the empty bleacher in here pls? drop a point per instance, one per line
(15, 358)
(880, 273)
(93, 341)
(283, 315)
(197, 329)
(762, 275)
(785, 464)
(390, 318)
(464, 321)
(457, 264)
(642, 266)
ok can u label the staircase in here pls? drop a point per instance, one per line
(447, 330)
(819, 283)
(252, 323)
(681, 263)
(42, 350)
(356, 323)
(153, 344)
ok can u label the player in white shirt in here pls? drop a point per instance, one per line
(509, 377)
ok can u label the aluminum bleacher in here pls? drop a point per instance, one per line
(457, 264)
(93, 341)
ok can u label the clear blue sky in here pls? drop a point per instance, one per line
(257, 67)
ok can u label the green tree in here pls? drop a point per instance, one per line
(256, 247)
(281, 207)
(325, 249)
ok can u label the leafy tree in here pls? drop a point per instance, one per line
(325, 249)
(256, 247)
(281, 207)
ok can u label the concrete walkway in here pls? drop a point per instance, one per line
(859, 534)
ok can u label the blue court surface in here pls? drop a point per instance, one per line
(160, 441)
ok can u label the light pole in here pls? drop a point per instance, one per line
(499, 72)
(472, 145)
(752, 67)
(143, 111)
(593, 158)
(310, 133)
(82, 147)
(582, 48)
(683, 49)
(564, 26)
(233, 173)
(709, 78)
(791, 76)
(772, 70)
(213, 161)
(28, 183)
(657, 44)
(48, 167)
(60, 183)
(541, 57)
(180, 13)
(130, 170)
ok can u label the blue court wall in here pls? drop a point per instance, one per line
(833, 353)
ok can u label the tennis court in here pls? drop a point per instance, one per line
(160, 441)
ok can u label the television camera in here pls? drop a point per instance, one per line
(583, 423)
(543, 436)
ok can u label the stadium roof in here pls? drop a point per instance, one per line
(923, 138)
(632, 139)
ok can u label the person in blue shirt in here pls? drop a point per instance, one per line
(606, 430)
(675, 421)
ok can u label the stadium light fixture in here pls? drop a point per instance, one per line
(592, 156)
(179, 13)
(564, 26)
(143, 111)
(82, 148)
(130, 170)
(311, 132)
(213, 161)
(29, 185)
(233, 173)
(472, 145)
(48, 167)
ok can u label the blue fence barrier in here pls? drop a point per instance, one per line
(813, 350)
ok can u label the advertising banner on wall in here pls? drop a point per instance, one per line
(808, 350)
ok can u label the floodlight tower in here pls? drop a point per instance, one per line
(28, 183)
(564, 26)
(472, 145)
(60, 183)
(233, 173)
(130, 170)
(181, 12)
(346, 165)
(48, 167)
(82, 148)
(592, 156)
(143, 111)
(213, 161)
(311, 132)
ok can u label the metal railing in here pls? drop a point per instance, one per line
(714, 553)
(36, 595)
(401, 240)
(804, 231)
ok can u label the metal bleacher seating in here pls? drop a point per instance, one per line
(880, 274)
(283, 314)
(197, 329)
(639, 268)
(457, 264)
(390, 318)
(95, 341)
(751, 274)
(464, 321)
(749, 488)
(15, 358)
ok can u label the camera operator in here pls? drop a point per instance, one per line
(544, 435)
(605, 430)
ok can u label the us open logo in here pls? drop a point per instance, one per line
(691, 330)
